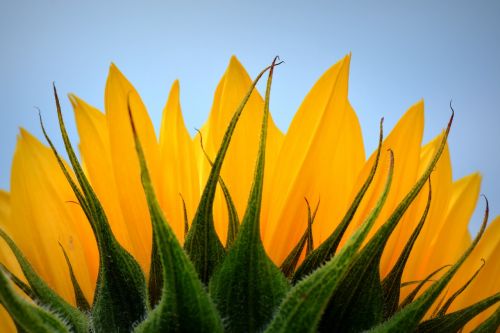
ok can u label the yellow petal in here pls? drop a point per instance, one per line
(239, 164)
(487, 282)
(320, 159)
(96, 155)
(6, 258)
(441, 179)
(404, 140)
(451, 240)
(119, 95)
(43, 214)
(179, 172)
(6, 323)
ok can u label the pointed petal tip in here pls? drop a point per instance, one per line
(234, 65)
(175, 86)
(114, 71)
(24, 134)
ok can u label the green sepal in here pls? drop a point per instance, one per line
(411, 296)
(30, 317)
(202, 242)
(120, 298)
(391, 285)
(248, 286)
(290, 263)
(184, 305)
(443, 309)
(453, 322)
(408, 318)
(233, 221)
(76, 320)
(358, 302)
(81, 301)
(18, 282)
(185, 215)
(491, 324)
(310, 220)
(328, 248)
(304, 305)
(155, 282)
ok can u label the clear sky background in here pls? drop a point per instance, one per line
(401, 52)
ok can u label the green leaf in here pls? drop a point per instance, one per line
(304, 305)
(248, 287)
(81, 301)
(28, 316)
(43, 293)
(202, 243)
(290, 262)
(184, 305)
(391, 285)
(409, 317)
(453, 322)
(490, 325)
(328, 248)
(120, 299)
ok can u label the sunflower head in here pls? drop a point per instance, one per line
(244, 254)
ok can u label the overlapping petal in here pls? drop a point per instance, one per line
(119, 96)
(43, 214)
(239, 164)
(320, 158)
(178, 171)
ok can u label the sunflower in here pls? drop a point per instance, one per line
(277, 227)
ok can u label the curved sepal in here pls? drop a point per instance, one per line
(202, 242)
(327, 249)
(120, 299)
(358, 302)
(81, 301)
(391, 285)
(453, 322)
(26, 315)
(304, 305)
(248, 287)
(290, 263)
(44, 294)
(233, 221)
(184, 305)
(408, 318)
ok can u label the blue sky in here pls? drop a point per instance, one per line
(401, 52)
